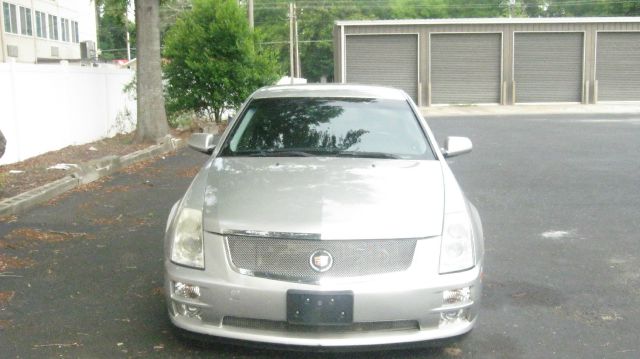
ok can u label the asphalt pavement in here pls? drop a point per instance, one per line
(559, 196)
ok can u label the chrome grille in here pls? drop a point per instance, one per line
(288, 259)
(281, 326)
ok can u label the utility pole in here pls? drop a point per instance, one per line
(128, 47)
(291, 50)
(250, 13)
(128, 38)
(295, 34)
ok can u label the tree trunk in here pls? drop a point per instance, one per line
(152, 119)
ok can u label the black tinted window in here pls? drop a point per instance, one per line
(325, 126)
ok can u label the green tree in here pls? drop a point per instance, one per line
(315, 30)
(315, 33)
(112, 29)
(561, 8)
(418, 9)
(170, 10)
(212, 60)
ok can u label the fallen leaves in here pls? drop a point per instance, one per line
(47, 236)
(28, 233)
(107, 221)
(89, 187)
(5, 298)
(452, 352)
(189, 172)
(141, 222)
(8, 219)
(87, 205)
(589, 317)
(135, 167)
(12, 262)
(34, 170)
(117, 188)
(5, 324)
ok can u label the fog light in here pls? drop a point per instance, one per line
(456, 296)
(188, 311)
(184, 290)
(453, 316)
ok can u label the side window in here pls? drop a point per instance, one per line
(26, 27)
(41, 24)
(75, 36)
(10, 18)
(53, 27)
(64, 29)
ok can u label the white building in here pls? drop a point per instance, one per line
(35, 31)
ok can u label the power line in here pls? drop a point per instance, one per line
(385, 4)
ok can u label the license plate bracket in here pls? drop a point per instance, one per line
(319, 308)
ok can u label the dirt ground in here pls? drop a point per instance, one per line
(22, 176)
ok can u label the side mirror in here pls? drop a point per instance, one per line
(454, 146)
(202, 142)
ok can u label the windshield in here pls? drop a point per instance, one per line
(352, 127)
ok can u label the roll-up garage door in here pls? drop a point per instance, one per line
(618, 66)
(465, 68)
(548, 66)
(388, 60)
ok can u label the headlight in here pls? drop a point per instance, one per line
(187, 248)
(456, 253)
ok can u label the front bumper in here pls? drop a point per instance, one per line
(392, 308)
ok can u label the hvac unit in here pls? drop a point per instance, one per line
(12, 51)
(87, 50)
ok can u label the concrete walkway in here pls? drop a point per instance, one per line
(533, 109)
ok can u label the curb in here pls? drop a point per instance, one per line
(88, 172)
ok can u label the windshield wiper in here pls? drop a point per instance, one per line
(362, 154)
(300, 153)
(276, 153)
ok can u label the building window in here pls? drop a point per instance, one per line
(75, 35)
(64, 29)
(53, 27)
(41, 24)
(26, 26)
(10, 18)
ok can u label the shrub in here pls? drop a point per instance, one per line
(211, 60)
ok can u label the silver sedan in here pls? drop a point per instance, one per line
(325, 216)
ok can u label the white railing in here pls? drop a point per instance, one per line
(47, 107)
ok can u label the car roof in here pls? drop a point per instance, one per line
(331, 90)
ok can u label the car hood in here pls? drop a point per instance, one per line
(335, 198)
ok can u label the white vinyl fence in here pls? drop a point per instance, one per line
(48, 107)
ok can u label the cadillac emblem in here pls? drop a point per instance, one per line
(321, 260)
